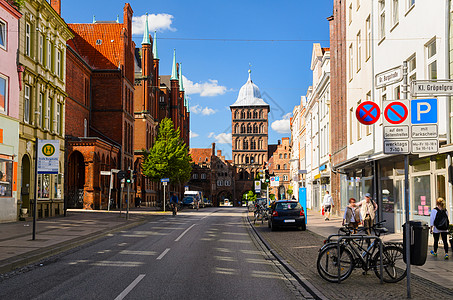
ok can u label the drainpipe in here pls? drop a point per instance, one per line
(448, 110)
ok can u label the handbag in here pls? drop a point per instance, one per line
(322, 211)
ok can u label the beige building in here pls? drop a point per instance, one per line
(43, 35)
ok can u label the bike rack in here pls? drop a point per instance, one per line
(364, 237)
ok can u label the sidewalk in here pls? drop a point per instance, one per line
(58, 234)
(436, 269)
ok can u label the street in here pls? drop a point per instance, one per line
(209, 254)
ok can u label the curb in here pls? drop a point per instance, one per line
(311, 289)
(39, 254)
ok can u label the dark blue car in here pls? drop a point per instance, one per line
(286, 213)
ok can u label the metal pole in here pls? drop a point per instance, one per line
(121, 196)
(128, 200)
(406, 197)
(110, 190)
(164, 194)
(35, 202)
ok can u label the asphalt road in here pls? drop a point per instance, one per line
(209, 254)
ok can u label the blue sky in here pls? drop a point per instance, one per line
(215, 41)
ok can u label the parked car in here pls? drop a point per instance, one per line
(286, 213)
(207, 202)
(188, 201)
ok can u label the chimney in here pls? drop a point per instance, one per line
(278, 142)
(56, 5)
(219, 153)
(213, 149)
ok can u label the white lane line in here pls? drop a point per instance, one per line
(130, 287)
(163, 254)
(185, 231)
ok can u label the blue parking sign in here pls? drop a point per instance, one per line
(424, 111)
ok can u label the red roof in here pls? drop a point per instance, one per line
(99, 44)
(200, 155)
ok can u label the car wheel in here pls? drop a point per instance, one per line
(273, 227)
(303, 227)
(269, 223)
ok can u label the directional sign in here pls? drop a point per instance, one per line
(389, 77)
(431, 88)
(396, 112)
(424, 111)
(368, 113)
(165, 180)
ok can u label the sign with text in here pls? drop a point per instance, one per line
(275, 181)
(431, 88)
(257, 186)
(48, 156)
(388, 77)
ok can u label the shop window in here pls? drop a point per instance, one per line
(422, 195)
(44, 186)
(440, 162)
(387, 171)
(6, 177)
(3, 93)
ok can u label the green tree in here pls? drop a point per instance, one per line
(289, 191)
(272, 196)
(251, 196)
(169, 157)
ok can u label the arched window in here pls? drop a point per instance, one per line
(249, 114)
(249, 128)
(242, 114)
(236, 115)
(236, 128)
(245, 145)
(246, 159)
(238, 144)
(260, 144)
(261, 114)
(261, 128)
(255, 128)
(242, 128)
(255, 115)
(286, 155)
(253, 145)
(278, 167)
(284, 167)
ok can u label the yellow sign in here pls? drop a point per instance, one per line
(48, 150)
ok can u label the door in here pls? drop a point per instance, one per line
(400, 215)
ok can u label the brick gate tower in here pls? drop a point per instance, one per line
(249, 137)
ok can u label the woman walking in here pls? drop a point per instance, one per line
(439, 226)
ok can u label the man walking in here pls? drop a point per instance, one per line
(368, 211)
(327, 204)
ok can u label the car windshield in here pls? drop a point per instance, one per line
(187, 199)
(288, 206)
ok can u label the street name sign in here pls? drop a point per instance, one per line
(106, 173)
(48, 156)
(431, 88)
(165, 180)
(388, 77)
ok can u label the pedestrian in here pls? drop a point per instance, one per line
(439, 226)
(352, 217)
(327, 204)
(174, 203)
(368, 210)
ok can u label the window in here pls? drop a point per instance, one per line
(48, 111)
(359, 126)
(278, 167)
(40, 108)
(58, 67)
(397, 94)
(358, 4)
(280, 156)
(350, 13)
(44, 186)
(381, 19)
(395, 12)
(41, 48)
(286, 155)
(351, 61)
(6, 177)
(27, 39)
(284, 166)
(27, 104)
(2, 34)
(3, 93)
(58, 116)
(432, 62)
(195, 176)
(285, 177)
(368, 38)
(219, 182)
(411, 68)
(203, 175)
(351, 118)
(359, 51)
(227, 183)
(161, 99)
(49, 55)
(410, 3)
(85, 127)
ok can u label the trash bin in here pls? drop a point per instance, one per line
(419, 242)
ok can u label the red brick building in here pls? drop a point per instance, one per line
(99, 108)
(249, 116)
(338, 81)
(279, 165)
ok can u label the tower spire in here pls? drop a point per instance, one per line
(181, 86)
(155, 46)
(250, 72)
(174, 72)
(146, 33)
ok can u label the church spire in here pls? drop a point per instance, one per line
(181, 86)
(174, 71)
(155, 46)
(250, 72)
(146, 33)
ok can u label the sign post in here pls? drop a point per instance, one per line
(47, 153)
(164, 183)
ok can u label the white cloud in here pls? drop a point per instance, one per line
(282, 126)
(159, 22)
(205, 89)
(223, 138)
(193, 134)
(211, 134)
(197, 109)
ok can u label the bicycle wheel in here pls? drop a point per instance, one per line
(328, 260)
(393, 266)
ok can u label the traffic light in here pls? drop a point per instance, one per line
(266, 176)
(129, 176)
(121, 175)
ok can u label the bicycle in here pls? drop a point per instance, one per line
(355, 254)
(260, 213)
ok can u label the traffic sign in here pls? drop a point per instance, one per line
(396, 112)
(388, 77)
(424, 111)
(368, 113)
(165, 180)
(431, 88)
(396, 147)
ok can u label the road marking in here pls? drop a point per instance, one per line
(163, 254)
(185, 231)
(130, 287)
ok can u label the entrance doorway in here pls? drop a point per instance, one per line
(76, 180)
(25, 182)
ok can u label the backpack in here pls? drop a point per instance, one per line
(441, 221)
